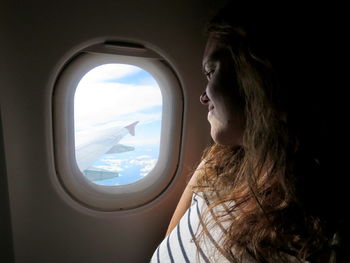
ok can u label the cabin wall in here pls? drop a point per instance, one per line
(37, 37)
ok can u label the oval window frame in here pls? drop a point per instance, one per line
(113, 198)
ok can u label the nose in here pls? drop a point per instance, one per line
(204, 98)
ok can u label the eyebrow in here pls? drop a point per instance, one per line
(214, 56)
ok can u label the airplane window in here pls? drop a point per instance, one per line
(117, 124)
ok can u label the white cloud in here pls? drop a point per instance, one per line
(101, 102)
(113, 165)
(148, 165)
(108, 72)
(114, 162)
(143, 157)
(144, 118)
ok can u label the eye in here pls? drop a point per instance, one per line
(209, 73)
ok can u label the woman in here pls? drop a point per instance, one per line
(260, 192)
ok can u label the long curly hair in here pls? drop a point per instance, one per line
(267, 177)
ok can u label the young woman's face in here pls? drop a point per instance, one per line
(225, 104)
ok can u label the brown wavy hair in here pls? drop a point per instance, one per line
(268, 175)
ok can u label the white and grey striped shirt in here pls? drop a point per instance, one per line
(181, 245)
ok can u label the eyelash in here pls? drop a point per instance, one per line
(209, 73)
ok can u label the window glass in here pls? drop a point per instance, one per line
(117, 124)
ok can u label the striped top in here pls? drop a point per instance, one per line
(181, 245)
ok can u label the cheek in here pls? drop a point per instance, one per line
(224, 91)
(228, 110)
(229, 133)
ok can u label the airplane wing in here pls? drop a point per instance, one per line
(97, 174)
(99, 141)
(120, 148)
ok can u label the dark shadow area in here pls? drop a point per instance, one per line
(6, 247)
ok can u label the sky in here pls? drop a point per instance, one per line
(116, 95)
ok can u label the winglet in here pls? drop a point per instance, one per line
(131, 128)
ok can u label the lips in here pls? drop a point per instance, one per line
(211, 107)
